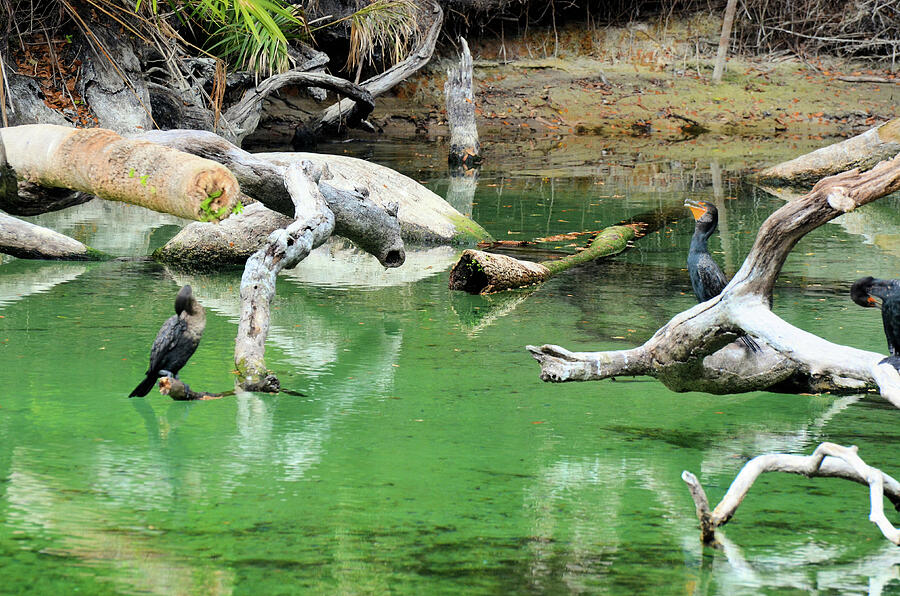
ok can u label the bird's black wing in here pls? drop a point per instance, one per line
(166, 340)
(707, 279)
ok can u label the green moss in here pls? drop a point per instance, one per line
(468, 231)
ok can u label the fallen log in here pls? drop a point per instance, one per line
(479, 272)
(863, 152)
(29, 241)
(828, 460)
(686, 353)
(424, 217)
(100, 162)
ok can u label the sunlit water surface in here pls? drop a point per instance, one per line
(424, 455)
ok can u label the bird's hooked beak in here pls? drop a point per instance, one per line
(698, 209)
(873, 301)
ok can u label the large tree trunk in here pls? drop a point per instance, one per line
(685, 354)
(101, 163)
(863, 152)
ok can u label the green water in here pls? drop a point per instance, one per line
(424, 455)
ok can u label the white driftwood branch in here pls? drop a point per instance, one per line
(685, 354)
(828, 460)
(314, 223)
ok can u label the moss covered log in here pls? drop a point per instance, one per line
(478, 272)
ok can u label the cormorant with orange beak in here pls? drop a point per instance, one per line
(707, 278)
(884, 294)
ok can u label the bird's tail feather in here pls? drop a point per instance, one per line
(750, 343)
(144, 387)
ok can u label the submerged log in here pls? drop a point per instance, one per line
(863, 152)
(464, 147)
(180, 391)
(828, 460)
(478, 272)
(683, 354)
(101, 163)
(29, 241)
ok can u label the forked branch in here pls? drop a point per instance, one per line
(687, 355)
(828, 460)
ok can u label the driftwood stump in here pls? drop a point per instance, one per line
(465, 150)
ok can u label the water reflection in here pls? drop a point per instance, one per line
(18, 281)
(424, 455)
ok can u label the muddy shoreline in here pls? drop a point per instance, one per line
(632, 94)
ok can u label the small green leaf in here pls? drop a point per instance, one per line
(205, 203)
(144, 179)
(131, 173)
(239, 208)
(215, 195)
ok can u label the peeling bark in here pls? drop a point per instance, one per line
(863, 151)
(101, 163)
(683, 354)
(465, 149)
(828, 460)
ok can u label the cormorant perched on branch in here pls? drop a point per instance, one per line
(176, 341)
(707, 278)
(885, 294)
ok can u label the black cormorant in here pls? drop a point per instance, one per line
(885, 294)
(707, 278)
(176, 341)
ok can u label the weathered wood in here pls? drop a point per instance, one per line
(724, 41)
(101, 163)
(29, 241)
(479, 272)
(335, 116)
(314, 223)
(683, 355)
(828, 460)
(862, 152)
(374, 229)
(424, 217)
(242, 118)
(465, 149)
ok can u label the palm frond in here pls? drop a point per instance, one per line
(388, 26)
